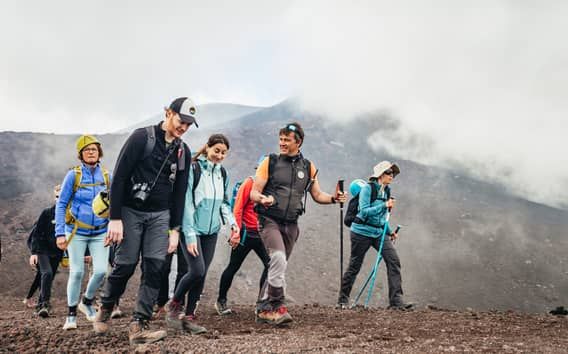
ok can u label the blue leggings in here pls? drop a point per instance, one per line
(99, 255)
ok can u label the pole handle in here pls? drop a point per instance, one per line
(340, 187)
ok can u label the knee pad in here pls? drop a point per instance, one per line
(153, 269)
(277, 269)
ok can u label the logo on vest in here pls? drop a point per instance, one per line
(301, 174)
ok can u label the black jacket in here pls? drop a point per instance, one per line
(132, 167)
(42, 237)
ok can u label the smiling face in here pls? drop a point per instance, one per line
(174, 125)
(90, 154)
(217, 152)
(289, 145)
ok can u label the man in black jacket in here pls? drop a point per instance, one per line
(147, 196)
(45, 254)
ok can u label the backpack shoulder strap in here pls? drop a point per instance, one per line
(106, 176)
(78, 176)
(272, 159)
(374, 192)
(181, 156)
(150, 141)
(196, 168)
(224, 174)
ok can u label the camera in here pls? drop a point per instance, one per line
(140, 193)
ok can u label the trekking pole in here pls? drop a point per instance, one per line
(340, 187)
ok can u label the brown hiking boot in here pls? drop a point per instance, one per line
(174, 315)
(190, 326)
(139, 333)
(276, 317)
(100, 324)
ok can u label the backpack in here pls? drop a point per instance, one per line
(353, 207)
(235, 192)
(196, 167)
(151, 142)
(69, 218)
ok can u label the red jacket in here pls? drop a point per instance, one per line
(244, 207)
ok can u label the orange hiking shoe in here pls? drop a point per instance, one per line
(276, 317)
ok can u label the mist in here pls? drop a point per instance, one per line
(481, 87)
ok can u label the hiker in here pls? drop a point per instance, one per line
(206, 204)
(280, 184)
(247, 240)
(147, 194)
(367, 229)
(45, 255)
(78, 227)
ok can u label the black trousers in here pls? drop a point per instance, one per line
(238, 255)
(163, 295)
(193, 281)
(48, 265)
(359, 247)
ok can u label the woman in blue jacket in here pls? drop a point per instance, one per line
(77, 227)
(206, 205)
(367, 230)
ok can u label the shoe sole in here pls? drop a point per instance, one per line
(67, 328)
(275, 323)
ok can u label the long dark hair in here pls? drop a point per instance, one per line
(213, 140)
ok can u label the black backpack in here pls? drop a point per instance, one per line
(353, 207)
(31, 236)
(196, 167)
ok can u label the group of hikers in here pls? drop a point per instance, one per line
(162, 200)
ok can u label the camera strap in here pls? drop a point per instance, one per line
(171, 149)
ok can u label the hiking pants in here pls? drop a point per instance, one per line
(193, 281)
(238, 255)
(145, 233)
(164, 294)
(279, 240)
(99, 255)
(48, 265)
(359, 246)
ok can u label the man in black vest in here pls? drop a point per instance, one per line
(280, 183)
(147, 197)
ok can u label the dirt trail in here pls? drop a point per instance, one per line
(316, 328)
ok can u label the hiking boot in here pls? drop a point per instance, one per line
(30, 303)
(139, 333)
(174, 315)
(222, 308)
(158, 312)
(190, 326)
(276, 317)
(88, 310)
(402, 307)
(100, 325)
(43, 311)
(342, 306)
(116, 313)
(70, 323)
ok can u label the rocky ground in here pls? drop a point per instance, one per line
(315, 329)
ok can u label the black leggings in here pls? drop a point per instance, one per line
(238, 256)
(164, 294)
(193, 281)
(47, 265)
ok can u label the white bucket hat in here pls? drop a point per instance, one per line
(383, 166)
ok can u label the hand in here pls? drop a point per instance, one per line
(393, 236)
(192, 249)
(33, 260)
(390, 203)
(87, 259)
(266, 201)
(340, 197)
(173, 241)
(114, 232)
(235, 238)
(61, 242)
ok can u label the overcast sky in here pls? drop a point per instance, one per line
(481, 82)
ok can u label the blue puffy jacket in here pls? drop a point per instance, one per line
(374, 213)
(80, 202)
(203, 216)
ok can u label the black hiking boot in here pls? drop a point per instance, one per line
(402, 307)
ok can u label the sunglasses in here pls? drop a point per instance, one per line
(173, 169)
(389, 172)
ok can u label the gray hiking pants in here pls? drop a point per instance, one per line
(145, 233)
(279, 240)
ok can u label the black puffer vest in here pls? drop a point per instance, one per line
(288, 178)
